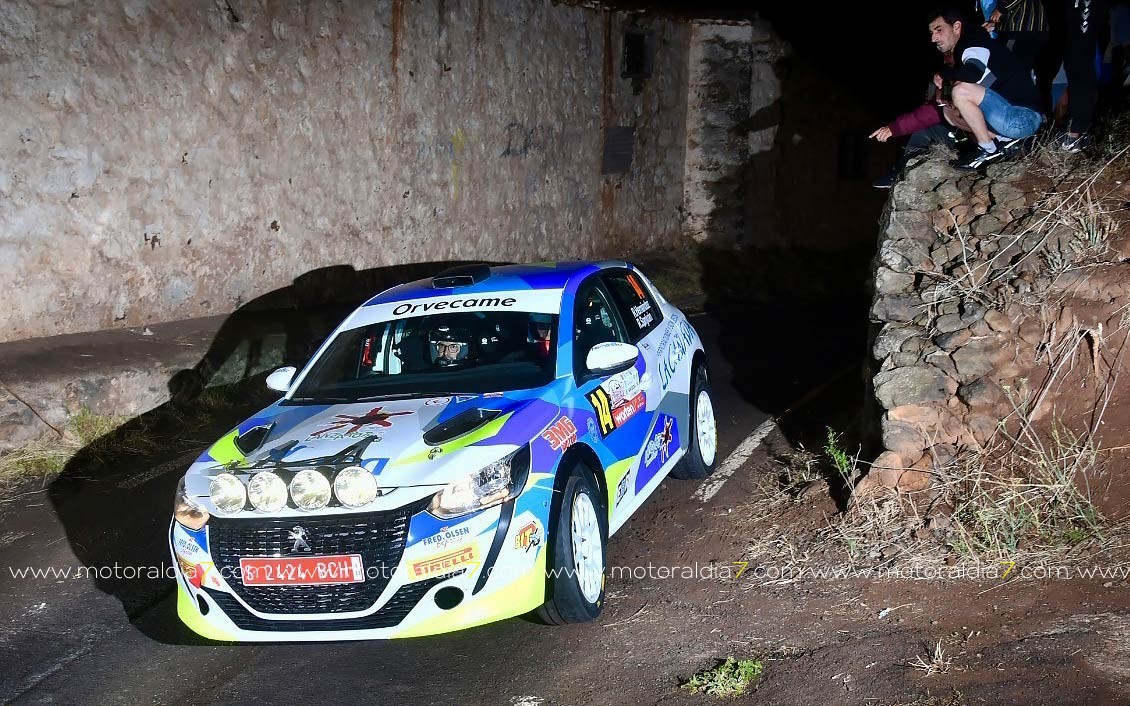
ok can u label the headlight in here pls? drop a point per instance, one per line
(310, 490)
(227, 493)
(187, 512)
(497, 483)
(267, 492)
(355, 486)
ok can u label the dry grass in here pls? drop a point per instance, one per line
(935, 662)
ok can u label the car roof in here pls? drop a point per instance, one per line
(503, 278)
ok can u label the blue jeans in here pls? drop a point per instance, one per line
(1007, 120)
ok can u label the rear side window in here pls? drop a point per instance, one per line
(634, 301)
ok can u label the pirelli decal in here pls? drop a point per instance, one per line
(602, 405)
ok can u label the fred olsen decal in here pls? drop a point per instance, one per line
(347, 425)
(445, 563)
(446, 537)
(561, 434)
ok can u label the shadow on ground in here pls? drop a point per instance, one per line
(793, 324)
(114, 498)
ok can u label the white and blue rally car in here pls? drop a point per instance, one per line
(458, 451)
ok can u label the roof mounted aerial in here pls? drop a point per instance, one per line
(461, 276)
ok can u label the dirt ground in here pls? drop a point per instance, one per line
(849, 640)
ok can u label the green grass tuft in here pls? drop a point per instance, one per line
(730, 678)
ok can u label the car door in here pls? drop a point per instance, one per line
(643, 321)
(618, 404)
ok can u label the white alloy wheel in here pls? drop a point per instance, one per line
(706, 428)
(588, 555)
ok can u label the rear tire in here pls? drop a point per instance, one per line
(576, 562)
(699, 461)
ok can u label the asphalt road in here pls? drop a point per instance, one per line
(70, 640)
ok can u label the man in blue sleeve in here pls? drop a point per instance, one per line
(993, 96)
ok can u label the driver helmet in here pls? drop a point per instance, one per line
(450, 345)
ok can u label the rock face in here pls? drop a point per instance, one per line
(169, 160)
(956, 329)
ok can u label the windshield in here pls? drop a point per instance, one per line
(438, 354)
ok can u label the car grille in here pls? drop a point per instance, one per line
(390, 615)
(379, 537)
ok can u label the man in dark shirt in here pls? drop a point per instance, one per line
(993, 95)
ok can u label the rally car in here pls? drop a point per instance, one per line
(458, 451)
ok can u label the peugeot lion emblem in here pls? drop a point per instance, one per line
(298, 534)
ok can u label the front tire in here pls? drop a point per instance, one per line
(575, 583)
(701, 456)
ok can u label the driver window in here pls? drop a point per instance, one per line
(594, 321)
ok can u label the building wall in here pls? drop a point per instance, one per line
(168, 160)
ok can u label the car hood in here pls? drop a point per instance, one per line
(403, 442)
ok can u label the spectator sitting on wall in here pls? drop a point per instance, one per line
(998, 116)
(926, 127)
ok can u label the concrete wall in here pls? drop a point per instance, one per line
(170, 159)
(729, 181)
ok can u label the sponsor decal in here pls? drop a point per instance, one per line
(445, 304)
(445, 537)
(591, 423)
(434, 452)
(609, 415)
(561, 434)
(662, 442)
(673, 354)
(626, 411)
(602, 405)
(622, 386)
(621, 489)
(529, 536)
(437, 402)
(445, 563)
(488, 394)
(186, 546)
(353, 424)
(659, 444)
(199, 574)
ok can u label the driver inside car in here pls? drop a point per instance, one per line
(450, 346)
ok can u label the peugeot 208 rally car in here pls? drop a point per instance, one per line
(458, 451)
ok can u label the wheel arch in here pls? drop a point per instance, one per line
(579, 452)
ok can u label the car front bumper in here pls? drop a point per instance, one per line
(423, 575)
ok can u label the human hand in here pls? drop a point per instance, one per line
(882, 134)
(990, 26)
(995, 16)
(938, 81)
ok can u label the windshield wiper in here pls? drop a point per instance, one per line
(409, 395)
(322, 400)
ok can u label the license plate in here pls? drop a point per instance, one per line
(301, 570)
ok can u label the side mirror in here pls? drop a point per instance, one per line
(280, 380)
(611, 358)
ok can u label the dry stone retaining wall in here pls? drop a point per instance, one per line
(979, 284)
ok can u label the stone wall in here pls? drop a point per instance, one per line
(1000, 299)
(168, 160)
